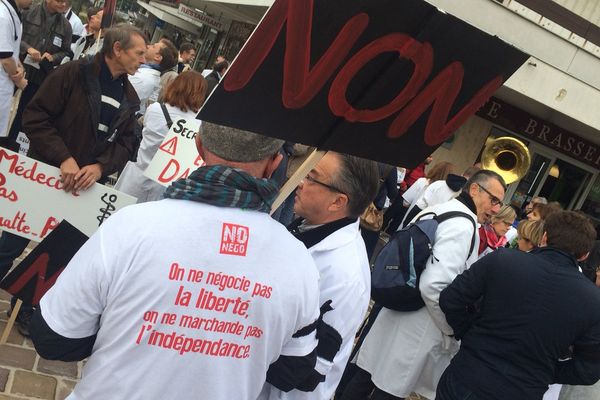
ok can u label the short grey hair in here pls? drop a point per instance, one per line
(359, 180)
(237, 145)
(122, 33)
(540, 200)
(482, 177)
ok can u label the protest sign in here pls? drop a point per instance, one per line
(386, 80)
(38, 272)
(32, 201)
(177, 156)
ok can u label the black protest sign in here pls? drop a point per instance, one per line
(38, 272)
(387, 80)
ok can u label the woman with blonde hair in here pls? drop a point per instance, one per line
(529, 234)
(492, 235)
(183, 98)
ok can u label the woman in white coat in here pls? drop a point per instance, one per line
(183, 98)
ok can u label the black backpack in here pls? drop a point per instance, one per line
(398, 267)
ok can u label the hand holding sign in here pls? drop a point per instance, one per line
(68, 170)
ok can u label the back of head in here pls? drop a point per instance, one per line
(482, 177)
(570, 232)
(122, 33)
(186, 48)
(544, 210)
(237, 145)
(187, 92)
(531, 231)
(358, 178)
(440, 171)
(169, 54)
(221, 66)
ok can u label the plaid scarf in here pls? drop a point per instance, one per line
(224, 186)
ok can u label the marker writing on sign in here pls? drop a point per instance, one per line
(108, 209)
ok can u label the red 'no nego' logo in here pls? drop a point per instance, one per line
(234, 239)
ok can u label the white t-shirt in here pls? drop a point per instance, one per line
(413, 193)
(436, 193)
(76, 26)
(11, 30)
(188, 301)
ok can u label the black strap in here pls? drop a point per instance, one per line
(69, 14)
(166, 114)
(452, 214)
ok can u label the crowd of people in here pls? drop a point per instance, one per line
(197, 292)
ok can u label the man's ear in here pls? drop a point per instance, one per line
(199, 146)
(272, 164)
(117, 48)
(544, 241)
(584, 257)
(340, 202)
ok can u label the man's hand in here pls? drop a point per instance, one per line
(48, 57)
(21, 84)
(68, 170)
(87, 176)
(16, 78)
(36, 56)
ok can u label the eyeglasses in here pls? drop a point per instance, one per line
(493, 199)
(330, 187)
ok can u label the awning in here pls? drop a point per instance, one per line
(162, 12)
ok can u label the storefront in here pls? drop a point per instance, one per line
(215, 29)
(564, 165)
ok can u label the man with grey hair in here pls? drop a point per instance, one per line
(329, 201)
(194, 295)
(407, 352)
(81, 121)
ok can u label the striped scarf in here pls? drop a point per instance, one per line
(224, 186)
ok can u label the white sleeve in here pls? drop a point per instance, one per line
(449, 259)
(412, 193)
(7, 33)
(73, 306)
(344, 320)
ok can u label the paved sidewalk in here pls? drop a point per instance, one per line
(24, 375)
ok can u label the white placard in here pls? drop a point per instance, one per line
(32, 201)
(177, 156)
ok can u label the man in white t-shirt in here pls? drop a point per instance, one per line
(193, 296)
(329, 201)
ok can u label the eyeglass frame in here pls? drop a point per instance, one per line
(330, 187)
(493, 199)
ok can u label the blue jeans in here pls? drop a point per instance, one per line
(450, 388)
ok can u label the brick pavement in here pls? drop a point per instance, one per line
(24, 375)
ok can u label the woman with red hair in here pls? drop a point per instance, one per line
(183, 98)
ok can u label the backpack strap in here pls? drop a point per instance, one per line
(453, 214)
(166, 114)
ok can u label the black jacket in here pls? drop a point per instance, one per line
(535, 306)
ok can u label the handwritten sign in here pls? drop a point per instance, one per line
(38, 272)
(386, 80)
(33, 202)
(177, 156)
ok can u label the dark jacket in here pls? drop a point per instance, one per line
(47, 34)
(212, 81)
(535, 306)
(61, 121)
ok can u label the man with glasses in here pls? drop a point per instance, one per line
(329, 202)
(46, 41)
(407, 352)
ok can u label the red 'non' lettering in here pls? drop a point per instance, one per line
(300, 83)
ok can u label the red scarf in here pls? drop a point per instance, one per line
(488, 238)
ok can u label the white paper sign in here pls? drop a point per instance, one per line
(32, 201)
(177, 156)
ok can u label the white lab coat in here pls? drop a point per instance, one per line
(408, 351)
(145, 81)
(345, 278)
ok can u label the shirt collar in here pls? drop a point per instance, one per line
(310, 235)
